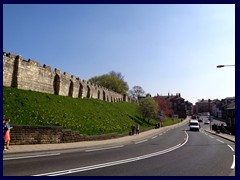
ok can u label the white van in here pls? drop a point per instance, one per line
(194, 125)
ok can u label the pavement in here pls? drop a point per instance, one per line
(222, 135)
(17, 149)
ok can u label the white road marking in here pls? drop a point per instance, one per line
(160, 134)
(233, 164)
(69, 171)
(211, 136)
(100, 149)
(26, 157)
(140, 141)
(220, 141)
(154, 137)
(231, 148)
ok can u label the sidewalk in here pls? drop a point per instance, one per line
(222, 135)
(14, 149)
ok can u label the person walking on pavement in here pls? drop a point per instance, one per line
(133, 129)
(7, 133)
(3, 132)
(137, 129)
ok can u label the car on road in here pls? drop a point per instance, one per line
(194, 125)
(206, 122)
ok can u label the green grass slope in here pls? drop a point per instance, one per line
(88, 116)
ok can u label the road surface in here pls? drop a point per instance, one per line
(175, 152)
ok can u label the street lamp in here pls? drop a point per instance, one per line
(220, 66)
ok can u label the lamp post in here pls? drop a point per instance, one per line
(220, 66)
(210, 119)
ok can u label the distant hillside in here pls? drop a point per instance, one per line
(88, 116)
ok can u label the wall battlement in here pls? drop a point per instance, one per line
(29, 75)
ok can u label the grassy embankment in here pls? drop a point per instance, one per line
(88, 116)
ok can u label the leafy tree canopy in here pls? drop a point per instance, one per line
(148, 107)
(113, 81)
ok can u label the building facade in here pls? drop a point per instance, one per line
(178, 105)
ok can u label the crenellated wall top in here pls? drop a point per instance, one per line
(35, 64)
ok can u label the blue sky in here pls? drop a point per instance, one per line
(162, 48)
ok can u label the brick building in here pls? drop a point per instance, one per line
(179, 106)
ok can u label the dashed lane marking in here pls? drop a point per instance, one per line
(220, 141)
(97, 166)
(26, 157)
(100, 149)
(154, 137)
(140, 141)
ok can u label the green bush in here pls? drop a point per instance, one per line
(170, 121)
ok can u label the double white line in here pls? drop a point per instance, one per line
(87, 168)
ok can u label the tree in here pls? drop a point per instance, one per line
(148, 108)
(164, 106)
(118, 75)
(148, 95)
(136, 92)
(113, 81)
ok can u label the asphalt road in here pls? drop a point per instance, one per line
(176, 152)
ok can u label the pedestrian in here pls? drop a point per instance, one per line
(3, 133)
(137, 129)
(6, 137)
(133, 129)
(157, 126)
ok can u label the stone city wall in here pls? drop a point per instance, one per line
(24, 135)
(29, 75)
